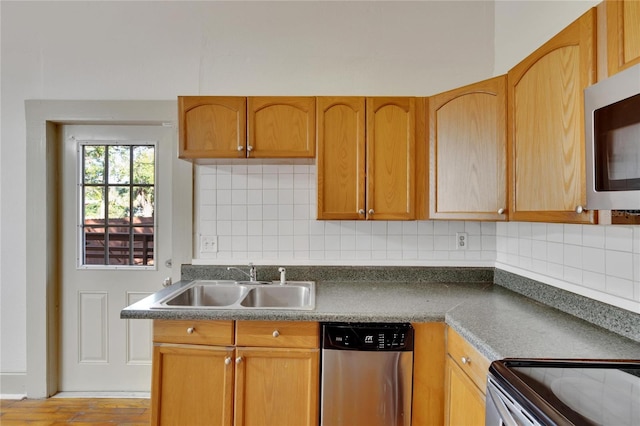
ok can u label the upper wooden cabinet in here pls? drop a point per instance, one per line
(367, 157)
(212, 126)
(468, 152)
(546, 154)
(216, 127)
(623, 34)
(281, 126)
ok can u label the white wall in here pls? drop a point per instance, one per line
(524, 25)
(159, 50)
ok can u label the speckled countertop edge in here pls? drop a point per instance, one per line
(499, 322)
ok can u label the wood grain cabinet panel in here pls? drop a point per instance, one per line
(468, 152)
(281, 126)
(341, 157)
(623, 34)
(367, 150)
(546, 154)
(212, 127)
(465, 382)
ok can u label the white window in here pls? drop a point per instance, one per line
(117, 204)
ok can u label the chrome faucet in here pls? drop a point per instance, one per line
(251, 274)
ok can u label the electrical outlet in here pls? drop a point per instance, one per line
(208, 243)
(462, 240)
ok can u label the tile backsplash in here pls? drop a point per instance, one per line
(598, 261)
(266, 212)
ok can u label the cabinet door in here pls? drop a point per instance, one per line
(468, 152)
(391, 151)
(212, 126)
(341, 158)
(623, 34)
(192, 385)
(546, 127)
(464, 401)
(276, 387)
(281, 126)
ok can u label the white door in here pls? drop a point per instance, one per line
(116, 239)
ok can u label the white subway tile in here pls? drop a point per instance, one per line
(347, 243)
(409, 243)
(239, 243)
(394, 228)
(348, 227)
(285, 211)
(285, 227)
(301, 212)
(239, 181)
(394, 243)
(316, 227)
(455, 226)
(524, 230)
(224, 227)
(316, 243)
(409, 227)
(363, 242)
(269, 197)
(301, 227)
(488, 228)
(285, 196)
(254, 197)
(269, 227)
(270, 212)
(285, 243)
(619, 264)
(285, 181)
(472, 228)
(332, 243)
(223, 197)
(539, 231)
(425, 227)
(619, 238)
(555, 253)
(440, 228)
(379, 228)
(555, 232)
(573, 234)
(524, 248)
(539, 249)
(512, 229)
(425, 243)
(238, 228)
(593, 260)
(239, 213)
(441, 243)
(572, 256)
(363, 227)
(593, 280)
(619, 287)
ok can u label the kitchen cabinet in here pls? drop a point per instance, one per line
(281, 126)
(367, 150)
(240, 127)
(546, 154)
(192, 379)
(465, 382)
(241, 373)
(468, 152)
(623, 34)
(428, 374)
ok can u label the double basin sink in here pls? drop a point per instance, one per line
(226, 294)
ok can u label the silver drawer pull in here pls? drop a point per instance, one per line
(238, 360)
(466, 360)
(275, 333)
(190, 330)
(227, 360)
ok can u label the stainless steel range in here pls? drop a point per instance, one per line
(563, 392)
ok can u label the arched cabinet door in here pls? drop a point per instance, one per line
(546, 152)
(468, 152)
(281, 126)
(212, 126)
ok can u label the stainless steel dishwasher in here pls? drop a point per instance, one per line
(367, 372)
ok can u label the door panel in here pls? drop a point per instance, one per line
(99, 351)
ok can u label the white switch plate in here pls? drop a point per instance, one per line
(462, 240)
(208, 243)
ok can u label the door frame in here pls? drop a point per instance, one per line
(43, 118)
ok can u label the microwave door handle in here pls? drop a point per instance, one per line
(505, 415)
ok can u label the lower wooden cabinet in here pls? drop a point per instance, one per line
(465, 382)
(214, 382)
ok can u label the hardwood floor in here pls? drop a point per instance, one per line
(75, 411)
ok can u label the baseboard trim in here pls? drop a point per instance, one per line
(13, 385)
(143, 395)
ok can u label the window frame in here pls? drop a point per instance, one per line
(80, 185)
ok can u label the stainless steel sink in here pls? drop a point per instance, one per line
(223, 294)
(276, 296)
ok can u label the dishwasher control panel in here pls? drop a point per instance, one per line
(368, 337)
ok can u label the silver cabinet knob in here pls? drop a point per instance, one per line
(500, 211)
(238, 360)
(190, 330)
(579, 209)
(371, 211)
(466, 360)
(240, 148)
(227, 360)
(249, 148)
(361, 211)
(275, 333)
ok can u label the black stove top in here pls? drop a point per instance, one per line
(573, 392)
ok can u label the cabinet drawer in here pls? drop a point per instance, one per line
(193, 332)
(472, 362)
(285, 334)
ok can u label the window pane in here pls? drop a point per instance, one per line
(143, 244)
(143, 201)
(119, 165)
(119, 247)
(118, 202)
(93, 163)
(144, 164)
(94, 247)
(93, 202)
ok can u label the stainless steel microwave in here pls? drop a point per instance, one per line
(612, 135)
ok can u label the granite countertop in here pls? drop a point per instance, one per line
(497, 321)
